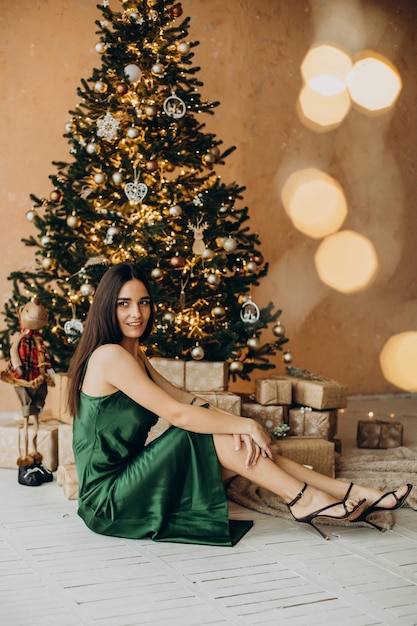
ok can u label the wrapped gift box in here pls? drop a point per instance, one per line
(317, 453)
(65, 453)
(12, 443)
(379, 434)
(206, 376)
(305, 421)
(273, 391)
(269, 416)
(171, 369)
(319, 393)
(225, 400)
(69, 480)
(57, 399)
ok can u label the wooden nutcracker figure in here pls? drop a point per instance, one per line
(29, 371)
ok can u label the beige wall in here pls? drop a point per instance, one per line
(250, 56)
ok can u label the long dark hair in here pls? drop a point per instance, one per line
(101, 326)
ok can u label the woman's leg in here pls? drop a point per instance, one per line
(285, 480)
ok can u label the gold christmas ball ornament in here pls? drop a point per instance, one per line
(117, 178)
(157, 69)
(197, 353)
(253, 343)
(100, 47)
(258, 259)
(73, 221)
(92, 147)
(175, 210)
(176, 10)
(183, 47)
(235, 367)
(209, 158)
(132, 72)
(177, 262)
(278, 330)
(132, 132)
(156, 273)
(122, 89)
(55, 195)
(151, 166)
(100, 87)
(287, 357)
(30, 215)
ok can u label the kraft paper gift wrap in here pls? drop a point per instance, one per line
(171, 369)
(206, 375)
(269, 416)
(273, 391)
(12, 442)
(379, 434)
(311, 423)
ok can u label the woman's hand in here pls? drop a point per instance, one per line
(254, 450)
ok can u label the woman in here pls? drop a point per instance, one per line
(173, 488)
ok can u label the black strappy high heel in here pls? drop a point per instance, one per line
(373, 508)
(309, 519)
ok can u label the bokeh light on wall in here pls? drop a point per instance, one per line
(398, 360)
(314, 201)
(320, 112)
(324, 100)
(374, 83)
(325, 69)
(346, 261)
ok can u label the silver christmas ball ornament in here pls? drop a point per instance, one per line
(197, 353)
(235, 367)
(117, 178)
(218, 310)
(132, 72)
(150, 110)
(175, 210)
(73, 221)
(213, 279)
(92, 147)
(253, 343)
(278, 330)
(169, 317)
(45, 240)
(112, 231)
(251, 267)
(156, 273)
(184, 47)
(100, 86)
(30, 215)
(132, 132)
(229, 244)
(287, 357)
(208, 254)
(48, 263)
(157, 69)
(87, 289)
(99, 178)
(100, 47)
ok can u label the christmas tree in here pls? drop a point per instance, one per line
(142, 185)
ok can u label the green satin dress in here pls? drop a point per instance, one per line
(169, 490)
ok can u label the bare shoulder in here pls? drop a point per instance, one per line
(102, 361)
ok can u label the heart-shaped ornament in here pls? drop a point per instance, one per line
(135, 192)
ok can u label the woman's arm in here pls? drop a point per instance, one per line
(114, 368)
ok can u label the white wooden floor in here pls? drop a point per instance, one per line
(55, 572)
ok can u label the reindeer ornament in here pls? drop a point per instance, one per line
(29, 371)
